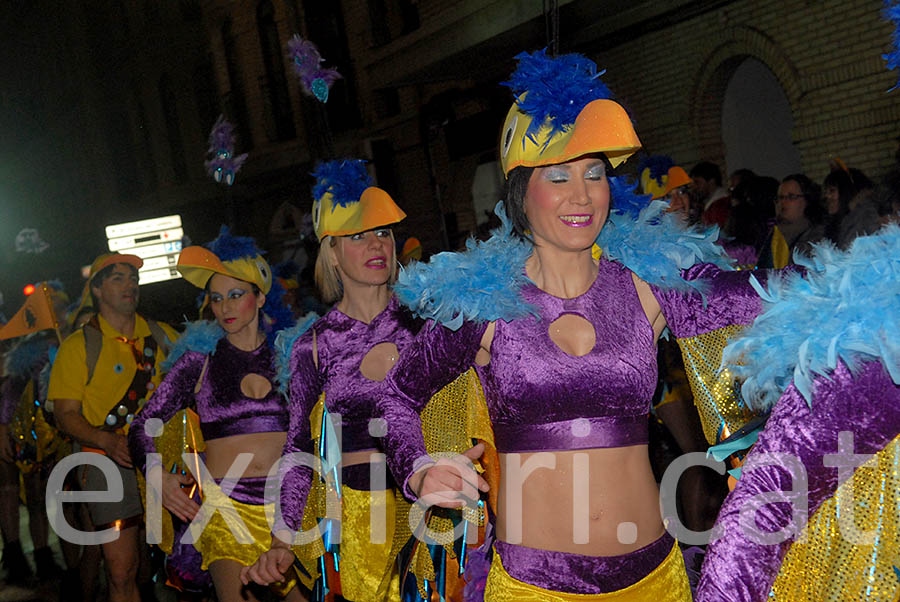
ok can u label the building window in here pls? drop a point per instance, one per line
(173, 128)
(279, 118)
(234, 103)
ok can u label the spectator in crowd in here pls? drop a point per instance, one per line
(798, 214)
(715, 201)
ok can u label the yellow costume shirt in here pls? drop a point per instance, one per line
(114, 372)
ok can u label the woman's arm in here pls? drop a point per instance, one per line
(304, 390)
(174, 393)
(433, 360)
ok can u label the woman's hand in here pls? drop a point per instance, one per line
(175, 499)
(271, 566)
(450, 482)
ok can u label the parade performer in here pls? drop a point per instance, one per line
(100, 377)
(814, 513)
(225, 369)
(337, 367)
(562, 333)
(29, 443)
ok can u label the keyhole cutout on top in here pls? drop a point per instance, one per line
(378, 361)
(573, 334)
(255, 386)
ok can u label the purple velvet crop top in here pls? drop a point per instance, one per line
(538, 396)
(341, 343)
(224, 410)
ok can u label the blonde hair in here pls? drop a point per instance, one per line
(328, 281)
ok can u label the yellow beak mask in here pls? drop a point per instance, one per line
(345, 202)
(562, 112)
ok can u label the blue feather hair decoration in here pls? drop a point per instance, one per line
(658, 165)
(284, 344)
(26, 355)
(847, 307)
(345, 179)
(892, 14)
(200, 336)
(558, 88)
(228, 247)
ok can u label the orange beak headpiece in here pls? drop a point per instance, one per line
(345, 202)
(562, 111)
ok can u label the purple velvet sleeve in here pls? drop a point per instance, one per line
(728, 299)
(305, 389)
(433, 360)
(738, 564)
(10, 395)
(174, 393)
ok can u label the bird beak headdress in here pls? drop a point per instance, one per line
(562, 111)
(345, 202)
(235, 256)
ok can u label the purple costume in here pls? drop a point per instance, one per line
(535, 403)
(341, 342)
(223, 408)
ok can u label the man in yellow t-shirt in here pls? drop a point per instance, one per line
(101, 376)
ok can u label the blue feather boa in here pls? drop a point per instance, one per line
(284, 343)
(483, 283)
(201, 336)
(25, 356)
(847, 307)
(892, 14)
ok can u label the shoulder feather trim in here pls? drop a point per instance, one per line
(656, 246)
(846, 307)
(480, 284)
(284, 343)
(201, 336)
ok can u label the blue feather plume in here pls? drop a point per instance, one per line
(345, 179)
(201, 336)
(284, 343)
(480, 284)
(846, 307)
(25, 356)
(892, 14)
(657, 164)
(558, 88)
(279, 317)
(624, 196)
(228, 247)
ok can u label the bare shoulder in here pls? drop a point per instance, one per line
(650, 305)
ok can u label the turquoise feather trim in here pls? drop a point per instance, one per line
(284, 343)
(22, 359)
(846, 307)
(484, 282)
(657, 246)
(480, 284)
(201, 336)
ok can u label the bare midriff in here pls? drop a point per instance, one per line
(265, 447)
(363, 456)
(596, 502)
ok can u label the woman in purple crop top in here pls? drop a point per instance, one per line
(224, 369)
(333, 371)
(560, 319)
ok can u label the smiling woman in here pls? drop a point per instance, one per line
(559, 313)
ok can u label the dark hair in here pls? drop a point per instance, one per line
(514, 199)
(514, 196)
(814, 211)
(98, 279)
(707, 171)
(843, 182)
(752, 209)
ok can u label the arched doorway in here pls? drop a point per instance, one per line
(757, 122)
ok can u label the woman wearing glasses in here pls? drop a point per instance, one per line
(798, 215)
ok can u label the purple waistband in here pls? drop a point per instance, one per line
(579, 574)
(579, 433)
(248, 490)
(244, 426)
(358, 477)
